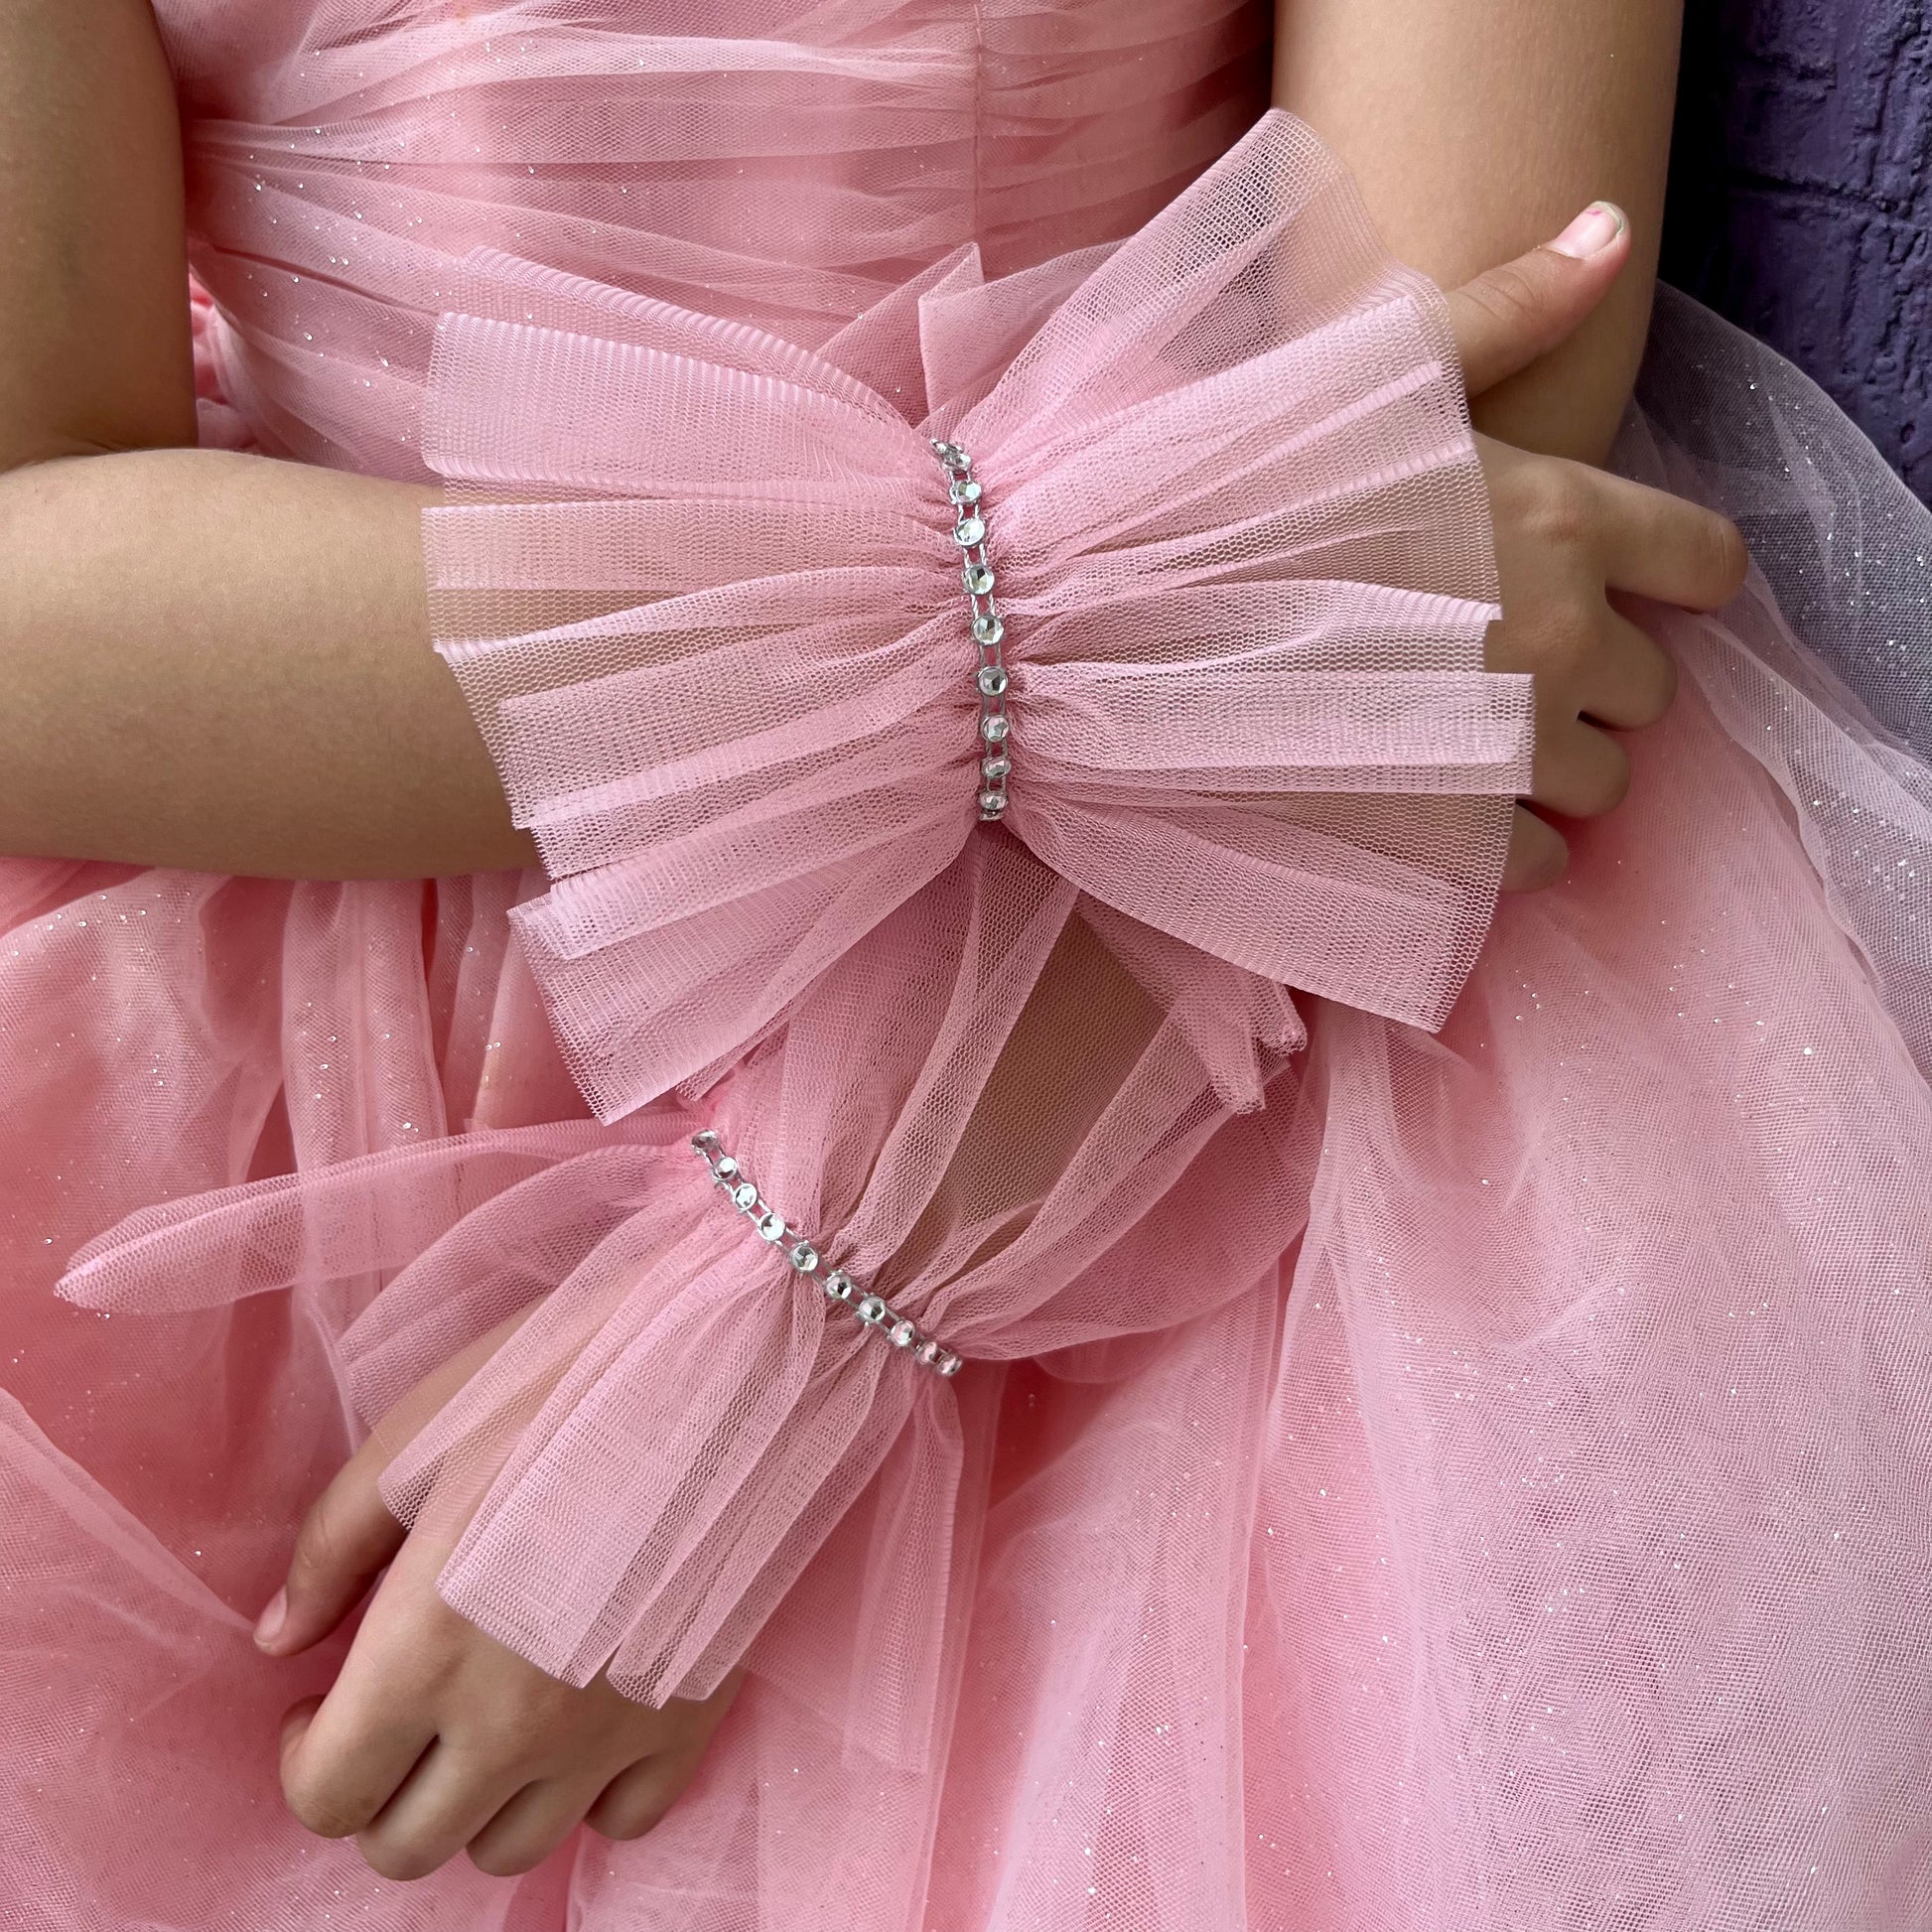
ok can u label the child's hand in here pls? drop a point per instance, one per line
(436, 1737)
(1569, 539)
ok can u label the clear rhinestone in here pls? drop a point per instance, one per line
(993, 680)
(964, 491)
(745, 1195)
(994, 769)
(947, 1364)
(725, 1168)
(951, 454)
(929, 1352)
(771, 1226)
(903, 1334)
(989, 629)
(994, 730)
(839, 1285)
(979, 578)
(872, 1310)
(805, 1257)
(992, 804)
(968, 531)
(703, 1142)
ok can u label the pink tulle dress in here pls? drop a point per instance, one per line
(1442, 1392)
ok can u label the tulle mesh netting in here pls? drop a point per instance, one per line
(1481, 1486)
(1243, 540)
(1240, 539)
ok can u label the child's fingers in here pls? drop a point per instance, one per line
(344, 1758)
(1539, 854)
(636, 1800)
(349, 1538)
(1517, 313)
(345, 1543)
(447, 1799)
(1662, 547)
(296, 1721)
(532, 1825)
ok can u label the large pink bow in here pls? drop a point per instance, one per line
(1243, 554)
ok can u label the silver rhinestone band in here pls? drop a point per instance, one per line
(990, 679)
(807, 1259)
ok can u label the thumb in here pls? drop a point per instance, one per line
(346, 1542)
(349, 1538)
(1517, 313)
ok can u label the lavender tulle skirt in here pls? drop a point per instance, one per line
(1400, 1479)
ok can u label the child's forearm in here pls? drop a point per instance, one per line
(94, 328)
(208, 661)
(223, 663)
(1478, 127)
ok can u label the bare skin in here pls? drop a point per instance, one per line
(1478, 127)
(1473, 127)
(435, 1740)
(95, 336)
(195, 679)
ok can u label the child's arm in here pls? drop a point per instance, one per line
(370, 1731)
(1474, 128)
(210, 660)
(91, 308)
(223, 663)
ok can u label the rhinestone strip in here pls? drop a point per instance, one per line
(990, 678)
(805, 1257)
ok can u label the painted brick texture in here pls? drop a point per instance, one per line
(1801, 196)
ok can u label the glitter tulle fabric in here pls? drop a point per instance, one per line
(1440, 1446)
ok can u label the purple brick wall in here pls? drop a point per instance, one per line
(1801, 196)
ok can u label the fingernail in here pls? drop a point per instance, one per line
(1591, 232)
(268, 1626)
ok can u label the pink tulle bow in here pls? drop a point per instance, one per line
(701, 589)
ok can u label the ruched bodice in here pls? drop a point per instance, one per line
(782, 164)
